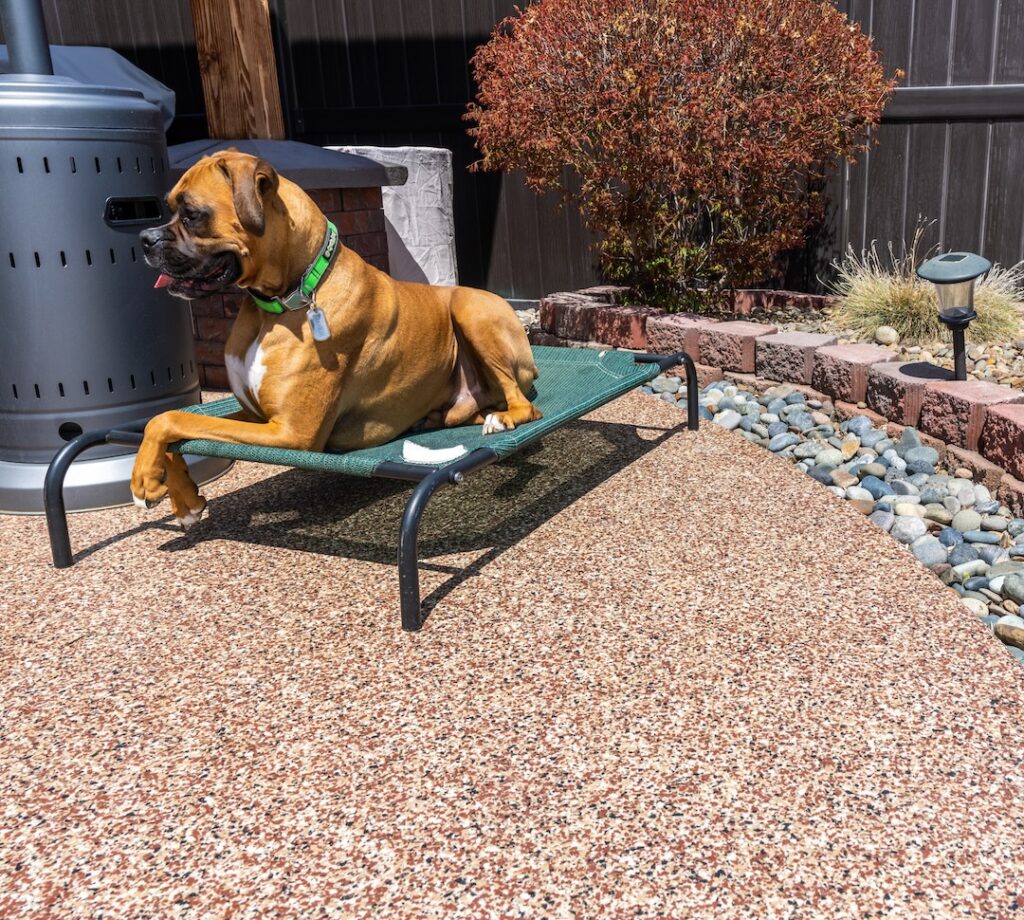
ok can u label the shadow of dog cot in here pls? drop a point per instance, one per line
(572, 382)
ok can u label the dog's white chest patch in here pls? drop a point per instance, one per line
(246, 374)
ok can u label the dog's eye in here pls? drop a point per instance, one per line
(189, 216)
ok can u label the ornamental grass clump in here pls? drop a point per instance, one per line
(699, 131)
(873, 291)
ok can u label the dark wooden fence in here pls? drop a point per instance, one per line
(951, 146)
(393, 72)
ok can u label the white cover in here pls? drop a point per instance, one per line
(419, 216)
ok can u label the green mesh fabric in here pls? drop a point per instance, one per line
(572, 382)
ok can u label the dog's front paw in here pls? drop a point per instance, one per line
(149, 485)
(192, 516)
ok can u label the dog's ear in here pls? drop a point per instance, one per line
(252, 180)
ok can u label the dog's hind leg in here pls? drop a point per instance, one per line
(502, 354)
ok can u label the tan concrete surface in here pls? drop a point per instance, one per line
(666, 675)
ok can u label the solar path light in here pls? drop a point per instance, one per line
(953, 275)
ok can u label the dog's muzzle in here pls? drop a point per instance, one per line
(187, 274)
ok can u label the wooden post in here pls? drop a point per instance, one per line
(236, 60)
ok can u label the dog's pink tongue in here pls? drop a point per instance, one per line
(162, 281)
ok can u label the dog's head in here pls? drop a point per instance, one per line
(226, 213)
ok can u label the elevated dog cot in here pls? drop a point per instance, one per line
(572, 383)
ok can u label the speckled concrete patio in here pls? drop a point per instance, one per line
(666, 675)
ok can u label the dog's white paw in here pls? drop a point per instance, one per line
(492, 425)
(194, 516)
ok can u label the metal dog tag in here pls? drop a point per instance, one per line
(318, 323)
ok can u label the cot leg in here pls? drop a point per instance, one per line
(692, 408)
(129, 435)
(408, 559)
(53, 495)
(668, 361)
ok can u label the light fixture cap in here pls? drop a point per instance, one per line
(954, 268)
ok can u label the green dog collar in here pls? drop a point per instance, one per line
(303, 295)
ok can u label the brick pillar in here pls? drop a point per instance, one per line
(358, 213)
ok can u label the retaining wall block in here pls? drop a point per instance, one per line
(677, 332)
(896, 390)
(731, 345)
(842, 370)
(623, 327)
(789, 356)
(954, 411)
(1002, 438)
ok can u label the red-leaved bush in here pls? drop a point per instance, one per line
(698, 129)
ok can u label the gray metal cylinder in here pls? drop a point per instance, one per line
(86, 341)
(25, 31)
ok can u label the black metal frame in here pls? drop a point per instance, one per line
(428, 480)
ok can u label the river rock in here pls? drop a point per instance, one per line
(950, 536)
(820, 474)
(875, 486)
(886, 335)
(909, 440)
(928, 455)
(961, 553)
(801, 420)
(962, 491)
(807, 450)
(829, 457)
(967, 569)
(874, 439)
(967, 520)
(937, 513)
(849, 447)
(978, 608)
(1011, 630)
(1007, 568)
(929, 551)
(908, 529)
(782, 441)
(728, 419)
(883, 518)
(1013, 588)
(859, 425)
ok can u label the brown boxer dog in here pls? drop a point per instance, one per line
(393, 354)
